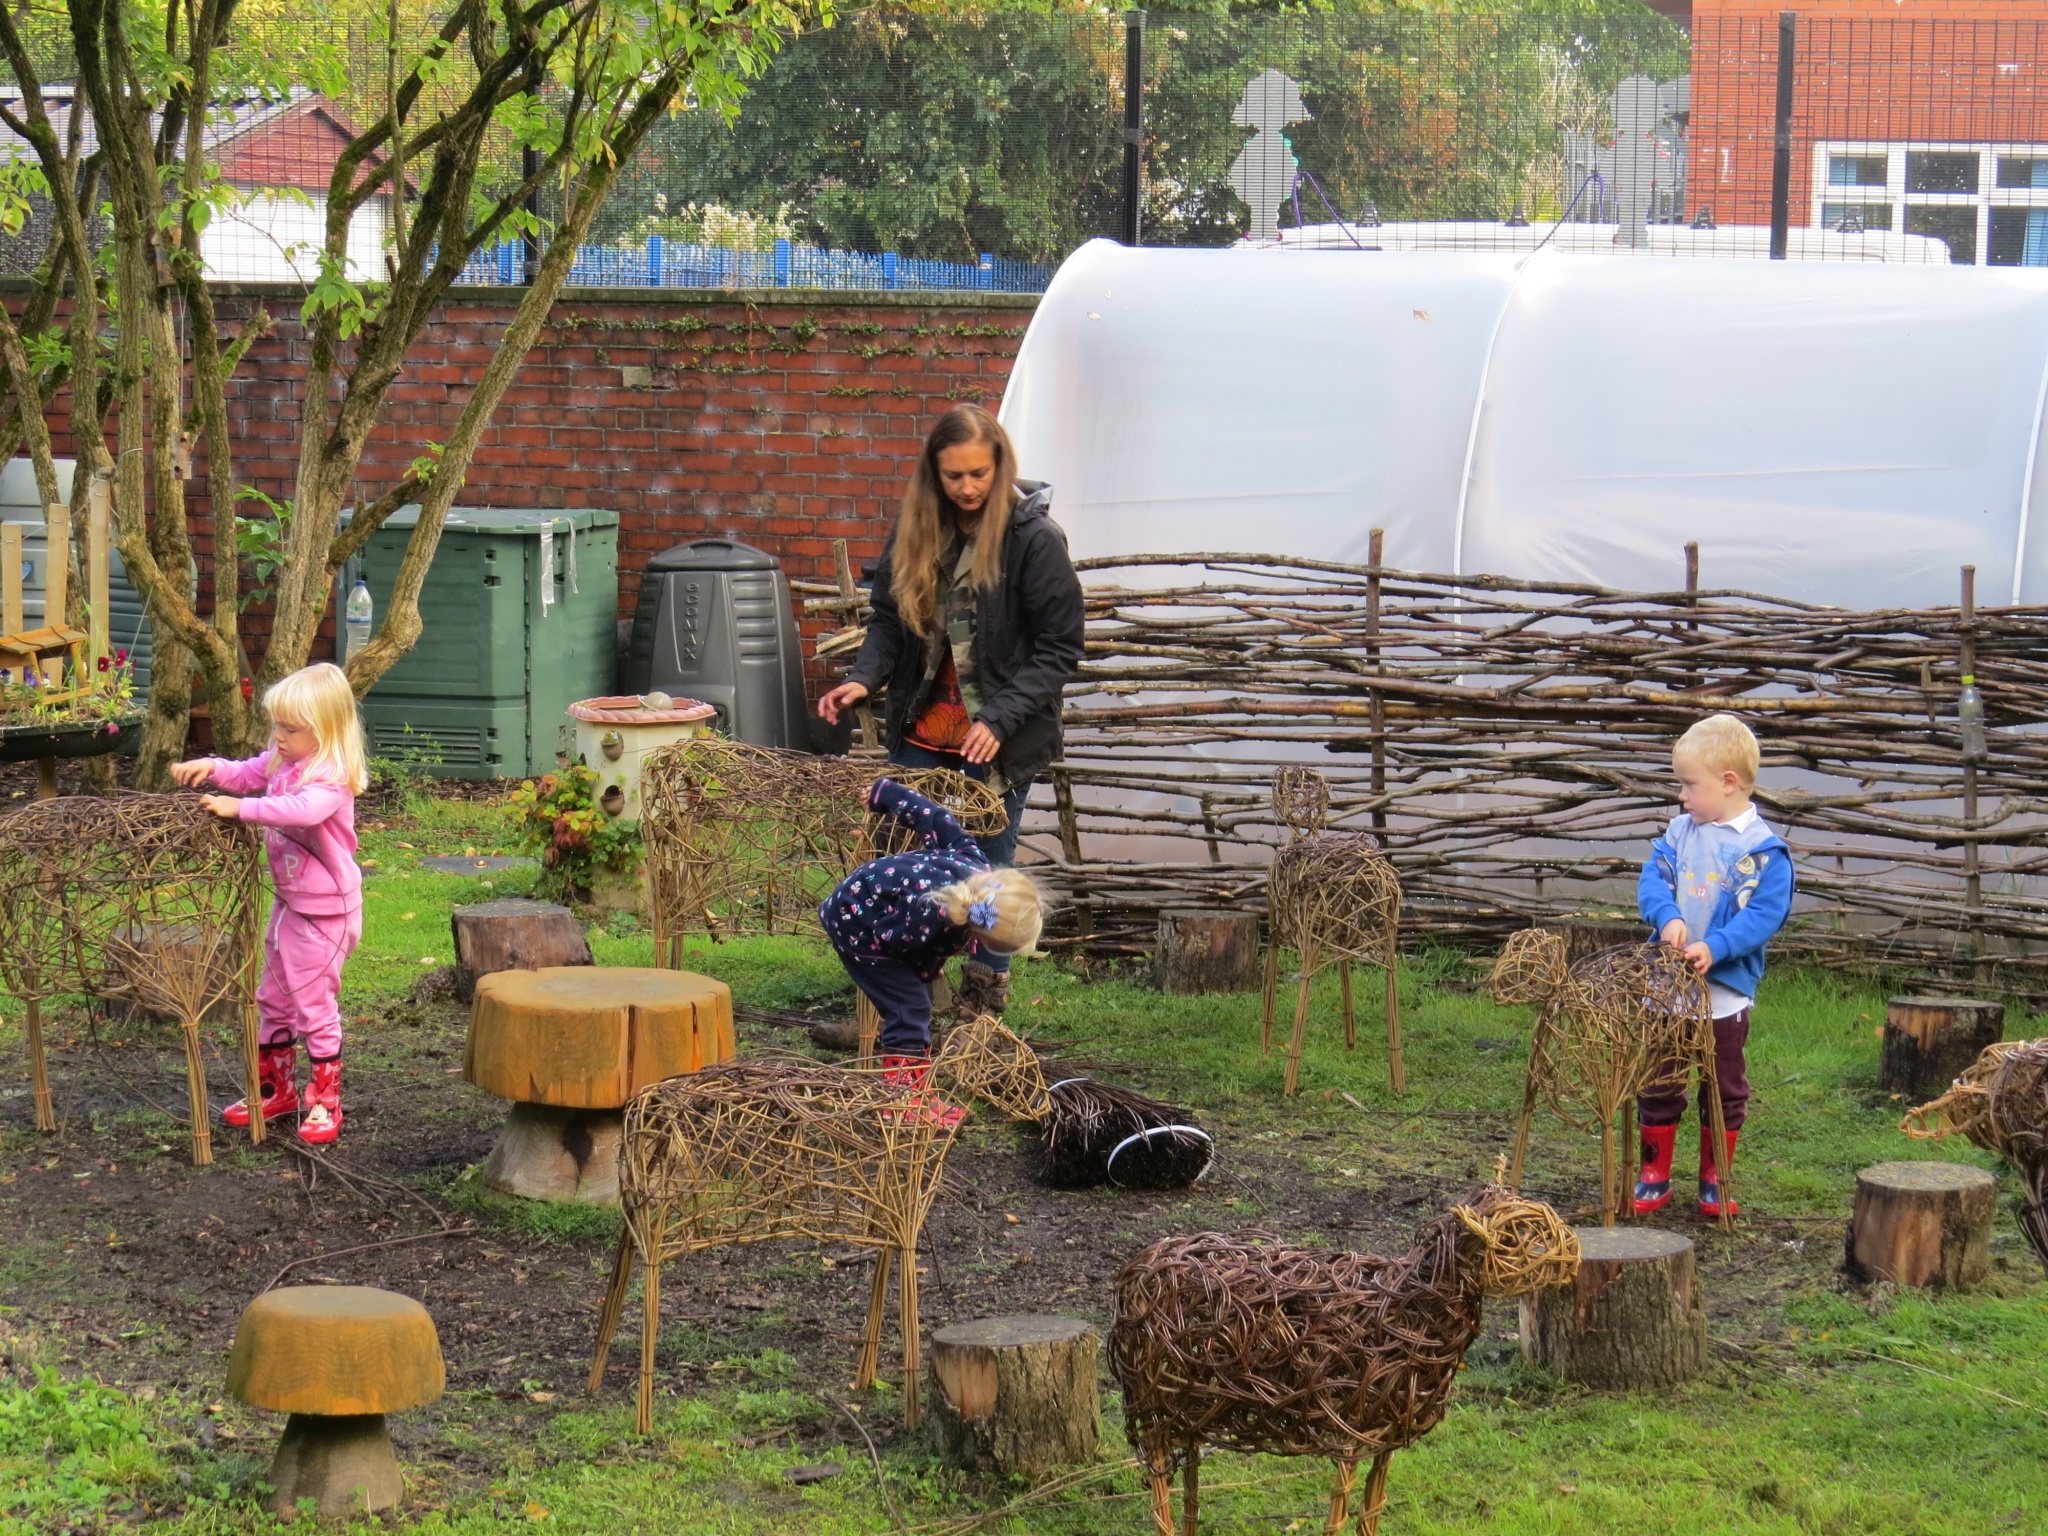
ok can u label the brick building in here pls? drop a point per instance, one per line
(1928, 116)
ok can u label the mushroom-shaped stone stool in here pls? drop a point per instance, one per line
(337, 1358)
(570, 1045)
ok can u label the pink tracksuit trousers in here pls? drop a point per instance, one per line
(301, 991)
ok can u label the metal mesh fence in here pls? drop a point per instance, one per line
(926, 150)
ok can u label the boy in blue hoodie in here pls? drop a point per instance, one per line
(1717, 885)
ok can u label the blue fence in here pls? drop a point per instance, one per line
(672, 264)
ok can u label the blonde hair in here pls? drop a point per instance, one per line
(1019, 907)
(1722, 744)
(319, 699)
(922, 527)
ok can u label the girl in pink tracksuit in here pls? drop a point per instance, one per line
(302, 792)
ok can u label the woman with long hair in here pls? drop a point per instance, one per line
(976, 630)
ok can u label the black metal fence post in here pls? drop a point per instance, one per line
(1134, 123)
(1781, 148)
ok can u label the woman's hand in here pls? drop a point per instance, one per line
(844, 697)
(981, 745)
(190, 773)
(226, 807)
(1675, 933)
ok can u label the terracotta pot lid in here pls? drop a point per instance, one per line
(640, 709)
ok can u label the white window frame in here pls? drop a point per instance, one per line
(1893, 193)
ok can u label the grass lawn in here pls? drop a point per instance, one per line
(1827, 1407)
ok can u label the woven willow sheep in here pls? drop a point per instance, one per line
(1612, 1024)
(1246, 1343)
(750, 1151)
(1331, 899)
(2001, 1105)
(745, 839)
(148, 900)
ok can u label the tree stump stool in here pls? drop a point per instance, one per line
(1632, 1318)
(1931, 1041)
(337, 1358)
(1201, 951)
(1016, 1394)
(513, 935)
(570, 1045)
(1923, 1224)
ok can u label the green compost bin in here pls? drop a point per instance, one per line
(520, 619)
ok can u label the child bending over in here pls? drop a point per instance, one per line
(1717, 885)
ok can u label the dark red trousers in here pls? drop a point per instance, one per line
(1663, 1103)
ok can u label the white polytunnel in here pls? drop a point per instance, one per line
(1835, 432)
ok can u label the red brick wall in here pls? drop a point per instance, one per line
(1943, 71)
(789, 421)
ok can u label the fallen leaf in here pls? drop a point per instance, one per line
(406, 917)
(540, 1397)
(1013, 1221)
(536, 1512)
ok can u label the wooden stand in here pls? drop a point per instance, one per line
(1930, 1041)
(1015, 1394)
(513, 935)
(1923, 1224)
(1633, 1317)
(1202, 951)
(549, 1153)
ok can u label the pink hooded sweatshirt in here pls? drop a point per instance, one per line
(309, 830)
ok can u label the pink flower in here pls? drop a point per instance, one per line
(104, 664)
(121, 658)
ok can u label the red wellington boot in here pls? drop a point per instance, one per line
(277, 1070)
(914, 1073)
(320, 1121)
(1710, 1175)
(1653, 1184)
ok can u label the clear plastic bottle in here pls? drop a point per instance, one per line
(1970, 721)
(359, 614)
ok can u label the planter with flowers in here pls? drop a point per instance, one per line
(52, 711)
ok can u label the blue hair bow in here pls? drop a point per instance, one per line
(982, 914)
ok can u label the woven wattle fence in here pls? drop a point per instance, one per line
(1510, 741)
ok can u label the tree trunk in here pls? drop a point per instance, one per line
(1632, 1318)
(546, 1153)
(1585, 936)
(343, 1463)
(1929, 1041)
(1923, 1224)
(513, 935)
(1207, 951)
(169, 719)
(1015, 1394)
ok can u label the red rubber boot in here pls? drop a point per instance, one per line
(277, 1071)
(1710, 1175)
(320, 1121)
(1653, 1184)
(914, 1073)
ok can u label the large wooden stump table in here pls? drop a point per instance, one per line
(1923, 1224)
(1632, 1318)
(337, 1358)
(1930, 1041)
(1015, 1394)
(570, 1046)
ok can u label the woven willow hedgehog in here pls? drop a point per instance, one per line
(148, 900)
(1246, 1343)
(749, 1151)
(2001, 1105)
(745, 839)
(1613, 1024)
(1330, 898)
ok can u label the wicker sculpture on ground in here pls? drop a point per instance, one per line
(1614, 1023)
(147, 900)
(745, 839)
(1330, 898)
(750, 1151)
(1246, 1343)
(2001, 1105)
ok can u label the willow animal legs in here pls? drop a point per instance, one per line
(1624, 1186)
(1375, 1499)
(1350, 1014)
(650, 1326)
(1398, 1077)
(869, 1023)
(1300, 1017)
(1272, 985)
(1720, 1124)
(1606, 1170)
(1340, 1498)
(1191, 1490)
(39, 1065)
(195, 1084)
(906, 1316)
(871, 1340)
(614, 1305)
(1161, 1487)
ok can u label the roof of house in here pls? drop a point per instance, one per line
(292, 141)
